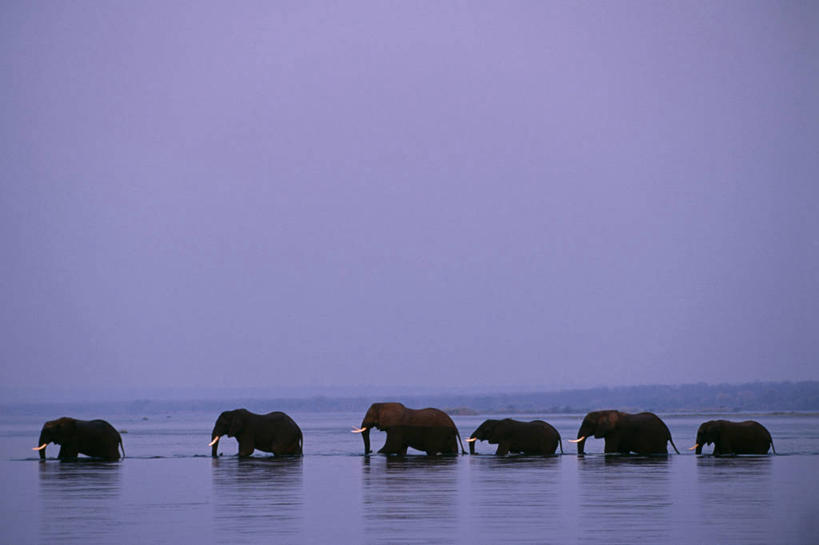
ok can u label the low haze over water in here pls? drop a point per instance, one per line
(169, 490)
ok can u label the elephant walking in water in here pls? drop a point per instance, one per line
(731, 438)
(535, 437)
(428, 430)
(643, 433)
(95, 438)
(272, 432)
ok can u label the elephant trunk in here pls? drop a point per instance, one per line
(44, 440)
(471, 446)
(366, 436)
(214, 444)
(581, 445)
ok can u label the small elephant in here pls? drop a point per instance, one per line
(535, 437)
(95, 438)
(643, 433)
(731, 438)
(428, 430)
(272, 432)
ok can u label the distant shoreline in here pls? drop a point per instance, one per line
(795, 398)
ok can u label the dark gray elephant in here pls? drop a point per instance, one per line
(535, 437)
(643, 433)
(428, 430)
(731, 438)
(272, 432)
(95, 438)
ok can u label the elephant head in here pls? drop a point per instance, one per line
(57, 432)
(380, 416)
(485, 432)
(597, 424)
(229, 423)
(708, 432)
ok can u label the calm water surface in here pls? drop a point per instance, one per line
(168, 489)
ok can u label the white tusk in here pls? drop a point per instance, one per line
(358, 430)
(41, 447)
(576, 440)
(471, 439)
(695, 446)
(214, 441)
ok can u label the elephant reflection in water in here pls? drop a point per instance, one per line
(428, 430)
(272, 512)
(392, 504)
(730, 438)
(78, 501)
(643, 433)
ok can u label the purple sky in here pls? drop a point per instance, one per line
(453, 193)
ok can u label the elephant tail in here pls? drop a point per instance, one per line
(560, 442)
(301, 443)
(458, 434)
(772, 447)
(672, 443)
(122, 447)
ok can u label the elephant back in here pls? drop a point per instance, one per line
(429, 417)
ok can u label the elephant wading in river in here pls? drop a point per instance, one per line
(731, 438)
(643, 433)
(272, 432)
(428, 430)
(535, 437)
(95, 438)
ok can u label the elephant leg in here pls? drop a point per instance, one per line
(279, 447)
(450, 446)
(245, 448)
(723, 447)
(394, 444)
(503, 449)
(444, 446)
(612, 445)
(67, 452)
(282, 448)
(654, 444)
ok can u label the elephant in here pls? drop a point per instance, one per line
(643, 433)
(428, 430)
(272, 432)
(95, 438)
(731, 438)
(535, 437)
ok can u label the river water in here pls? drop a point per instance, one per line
(169, 490)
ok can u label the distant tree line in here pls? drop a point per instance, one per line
(757, 396)
(760, 396)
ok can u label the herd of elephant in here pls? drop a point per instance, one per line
(428, 430)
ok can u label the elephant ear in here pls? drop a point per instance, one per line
(714, 431)
(389, 415)
(607, 422)
(237, 424)
(489, 430)
(65, 428)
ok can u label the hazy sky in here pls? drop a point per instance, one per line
(453, 193)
